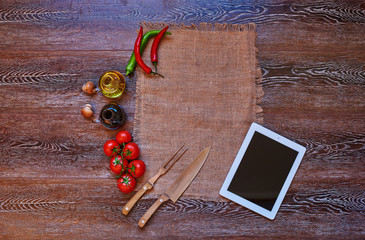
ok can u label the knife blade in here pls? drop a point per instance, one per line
(178, 187)
(150, 183)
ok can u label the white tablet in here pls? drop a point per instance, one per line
(262, 171)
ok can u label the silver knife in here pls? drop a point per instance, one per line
(178, 187)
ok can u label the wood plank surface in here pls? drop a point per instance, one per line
(54, 177)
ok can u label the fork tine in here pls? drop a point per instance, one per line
(164, 165)
(173, 162)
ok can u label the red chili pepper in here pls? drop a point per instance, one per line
(155, 46)
(137, 52)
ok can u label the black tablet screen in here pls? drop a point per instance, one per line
(262, 171)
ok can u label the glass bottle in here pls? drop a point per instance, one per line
(112, 84)
(112, 116)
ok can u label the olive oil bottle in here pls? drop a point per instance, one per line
(112, 84)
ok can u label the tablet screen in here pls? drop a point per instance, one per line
(262, 171)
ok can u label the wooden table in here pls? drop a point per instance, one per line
(54, 178)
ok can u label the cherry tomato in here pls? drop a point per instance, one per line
(123, 137)
(118, 164)
(110, 147)
(126, 183)
(136, 168)
(131, 151)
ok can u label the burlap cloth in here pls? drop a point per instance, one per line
(209, 97)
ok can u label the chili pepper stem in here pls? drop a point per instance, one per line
(155, 64)
(156, 73)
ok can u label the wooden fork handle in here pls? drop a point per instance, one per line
(152, 209)
(135, 198)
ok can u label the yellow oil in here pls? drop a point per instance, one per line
(112, 84)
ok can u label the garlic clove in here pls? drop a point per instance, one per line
(87, 111)
(89, 87)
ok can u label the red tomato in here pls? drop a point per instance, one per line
(123, 137)
(110, 147)
(126, 183)
(136, 168)
(131, 151)
(118, 164)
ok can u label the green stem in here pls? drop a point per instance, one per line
(156, 73)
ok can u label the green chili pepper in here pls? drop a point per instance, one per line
(146, 37)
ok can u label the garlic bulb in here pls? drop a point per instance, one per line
(87, 111)
(89, 87)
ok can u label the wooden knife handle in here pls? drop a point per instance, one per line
(135, 198)
(152, 209)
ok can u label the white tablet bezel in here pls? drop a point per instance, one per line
(250, 205)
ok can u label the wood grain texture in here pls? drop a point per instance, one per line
(77, 210)
(54, 178)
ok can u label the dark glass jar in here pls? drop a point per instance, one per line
(112, 116)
